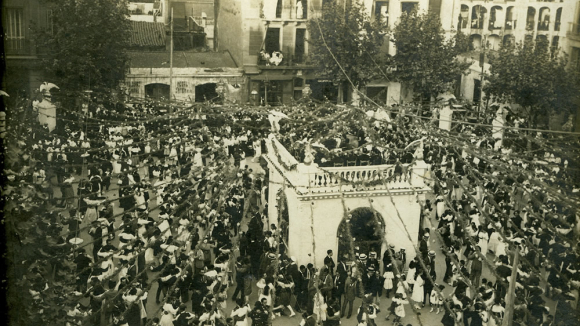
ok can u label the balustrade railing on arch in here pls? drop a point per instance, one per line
(375, 176)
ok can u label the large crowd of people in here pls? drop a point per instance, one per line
(125, 202)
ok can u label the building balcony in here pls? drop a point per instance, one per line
(288, 62)
(530, 27)
(573, 32)
(544, 26)
(510, 24)
(311, 180)
(494, 26)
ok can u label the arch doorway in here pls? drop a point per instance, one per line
(206, 92)
(365, 230)
(157, 91)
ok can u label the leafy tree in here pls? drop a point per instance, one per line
(346, 35)
(425, 59)
(535, 77)
(86, 45)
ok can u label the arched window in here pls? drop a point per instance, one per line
(496, 18)
(544, 19)
(558, 19)
(493, 42)
(478, 16)
(508, 40)
(475, 41)
(463, 17)
(510, 22)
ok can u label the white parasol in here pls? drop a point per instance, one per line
(76, 241)
(416, 142)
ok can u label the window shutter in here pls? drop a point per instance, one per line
(256, 37)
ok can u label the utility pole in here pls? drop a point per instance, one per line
(508, 318)
(171, 64)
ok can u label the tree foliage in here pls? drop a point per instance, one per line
(347, 35)
(425, 59)
(535, 77)
(85, 46)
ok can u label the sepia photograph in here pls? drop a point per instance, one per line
(290, 162)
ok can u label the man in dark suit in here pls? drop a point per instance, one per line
(83, 270)
(329, 262)
(424, 246)
(341, 269)
(371, 282)
(388, 255)
(241, 270)
(292, 272)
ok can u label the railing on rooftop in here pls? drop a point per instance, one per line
(202, 21)
(373, 176)
(313, 179)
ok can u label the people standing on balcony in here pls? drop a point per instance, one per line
(299, 10)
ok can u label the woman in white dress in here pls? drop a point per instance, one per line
(320, 307)
(418, 292)
(410, 279)
(240, 313)
(265, 286)
(483, 240)
(388, 276)
(150, 252)
(402, 288)
(183, 233)
(116, 164)
(439, 206)
(494, 240)
(197, 158)
(257, 149)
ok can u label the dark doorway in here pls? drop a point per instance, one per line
(206, 92)
(377, 94)
(365, 230)
(157, 91)
(323, 90)
(272, 92)
(476, 90)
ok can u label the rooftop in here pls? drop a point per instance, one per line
(147, 34)
(181, 59)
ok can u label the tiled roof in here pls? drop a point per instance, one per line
(181, 59)
(147, 34)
